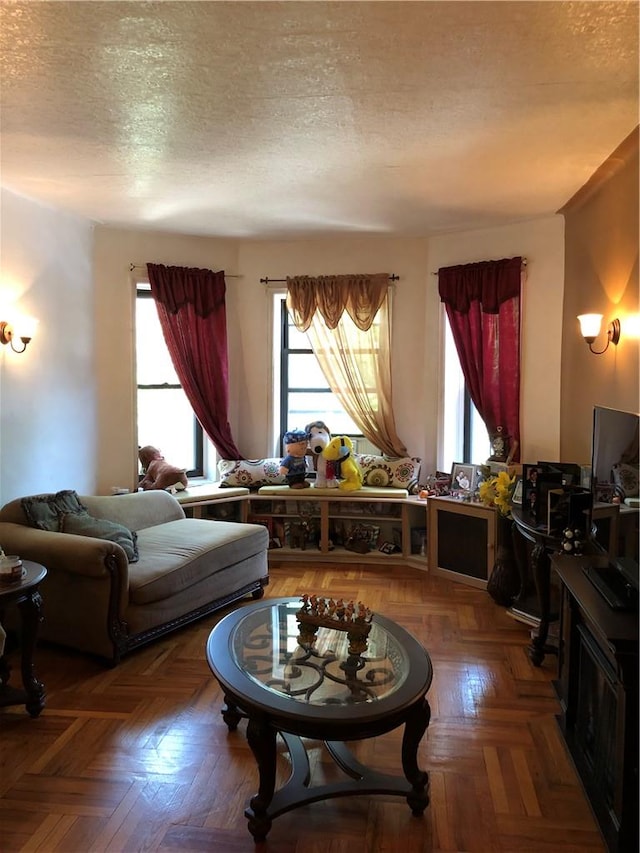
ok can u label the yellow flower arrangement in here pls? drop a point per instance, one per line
(497, 491)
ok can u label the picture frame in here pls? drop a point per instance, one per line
(463, 477)
(529, 487)
(604, 492)
(518, 491)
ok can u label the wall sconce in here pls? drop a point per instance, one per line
(590, 327)
(26, 328)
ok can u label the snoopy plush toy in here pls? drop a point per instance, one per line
(319, 438)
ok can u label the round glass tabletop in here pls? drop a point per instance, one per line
(260, 653)
(267, 645)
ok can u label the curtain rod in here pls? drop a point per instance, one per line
(392, 277)
(133, 267)
(524, 263)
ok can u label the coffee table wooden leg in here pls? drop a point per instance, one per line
(230, 714)
(262, 740)
(415, 726)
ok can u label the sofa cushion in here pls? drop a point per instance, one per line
(178, 554)
(83, 524)
(392, 472)
(250, 473)
(45, 511)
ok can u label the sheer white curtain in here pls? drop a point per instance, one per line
(347, 322)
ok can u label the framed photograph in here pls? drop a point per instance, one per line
(529, 487)
(518, 491)
(604, 493)
(463, 477)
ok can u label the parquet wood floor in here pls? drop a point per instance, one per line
(138, 758)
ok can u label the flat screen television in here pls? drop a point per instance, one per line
(615, 471)
(614, 454)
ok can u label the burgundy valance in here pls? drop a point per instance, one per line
(175, 287)
(488, 282)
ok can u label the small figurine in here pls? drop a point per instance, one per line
(572, 541)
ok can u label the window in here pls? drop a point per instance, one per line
(165, 418)
(465, 437)
(303, 391)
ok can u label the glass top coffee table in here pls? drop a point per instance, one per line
(320, 685)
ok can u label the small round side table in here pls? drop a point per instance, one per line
(25, 594)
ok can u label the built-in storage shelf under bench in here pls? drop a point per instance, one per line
(323, 524)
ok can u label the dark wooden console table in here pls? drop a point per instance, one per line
(25, 595)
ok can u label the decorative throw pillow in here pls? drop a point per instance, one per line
(251, 473)
(83, 524)
(626, 477)
(392, 472)
(44, 511)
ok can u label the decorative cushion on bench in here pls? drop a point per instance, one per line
(250, 473)
(392, 472)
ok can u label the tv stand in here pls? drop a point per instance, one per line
(598, 691)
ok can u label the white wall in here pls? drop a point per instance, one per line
(541, 242)
(48, 393)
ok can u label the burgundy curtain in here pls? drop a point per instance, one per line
(192, 311)
(482, 302)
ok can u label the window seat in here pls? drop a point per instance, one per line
(209, 492)
(364, 493)
(210, 500)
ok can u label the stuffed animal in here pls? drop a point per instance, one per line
(159, 474)
(318, 437)
(340, 449)
(294, 464)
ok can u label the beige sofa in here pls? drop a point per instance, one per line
(96, 601)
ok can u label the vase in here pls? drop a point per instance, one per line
(504, 581)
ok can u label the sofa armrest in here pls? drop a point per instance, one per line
(81, 555)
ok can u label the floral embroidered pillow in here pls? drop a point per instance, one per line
(392, 472)
(250, 473)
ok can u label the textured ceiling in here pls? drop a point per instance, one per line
(283, 119)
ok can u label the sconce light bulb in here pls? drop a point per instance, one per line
(590, 325)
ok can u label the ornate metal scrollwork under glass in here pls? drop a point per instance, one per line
(343, 664)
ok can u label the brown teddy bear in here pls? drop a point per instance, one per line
(158, 474)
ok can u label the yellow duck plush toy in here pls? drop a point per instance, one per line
(340, 449)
